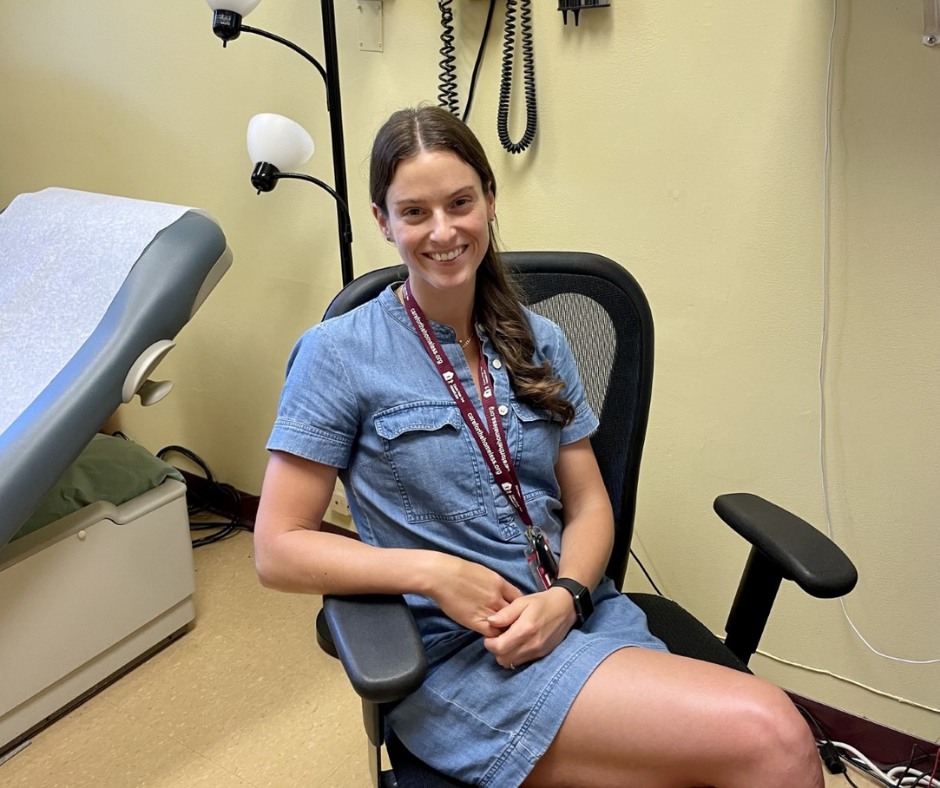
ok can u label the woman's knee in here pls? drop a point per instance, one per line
(780, 741)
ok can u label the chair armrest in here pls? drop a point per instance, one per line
(378, 643)
(800, 552)
(782, 546)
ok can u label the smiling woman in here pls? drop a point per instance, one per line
(438, 217)
(458, 424)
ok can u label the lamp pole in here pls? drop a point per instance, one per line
(334, 106)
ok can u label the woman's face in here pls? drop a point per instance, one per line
(438, 217)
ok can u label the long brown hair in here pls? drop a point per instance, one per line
(498, 298)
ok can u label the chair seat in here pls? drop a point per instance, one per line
(684, 634)
(680, 631)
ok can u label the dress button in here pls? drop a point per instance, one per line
(497, 364)
(503, 410)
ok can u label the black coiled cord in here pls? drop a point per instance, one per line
(448, 95)
(505, 85)
(197, 506)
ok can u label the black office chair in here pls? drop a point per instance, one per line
(607, 320)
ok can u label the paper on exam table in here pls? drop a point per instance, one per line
(64, 255)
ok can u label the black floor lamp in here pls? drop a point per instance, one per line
(227, 25)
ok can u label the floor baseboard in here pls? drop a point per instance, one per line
(880, 743)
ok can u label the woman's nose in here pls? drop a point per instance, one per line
(442, 231)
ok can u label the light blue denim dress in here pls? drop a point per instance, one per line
(362, 395)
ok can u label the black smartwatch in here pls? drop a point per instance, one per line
(583, 604)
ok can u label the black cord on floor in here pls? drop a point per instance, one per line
(196, 505)
(835, 760)
(910, 763)
(828, 752)
(915, 758)
(851, 782)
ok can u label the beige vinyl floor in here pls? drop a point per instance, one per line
(244, 699)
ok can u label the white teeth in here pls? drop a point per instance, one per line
(443, 258)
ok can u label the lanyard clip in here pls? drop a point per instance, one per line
(541, 560)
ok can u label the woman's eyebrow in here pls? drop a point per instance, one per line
(418, 200)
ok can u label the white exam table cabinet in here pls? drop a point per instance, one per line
(95, 592)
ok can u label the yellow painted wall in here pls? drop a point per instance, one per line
(685, 140)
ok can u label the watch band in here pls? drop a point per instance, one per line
(583, 604)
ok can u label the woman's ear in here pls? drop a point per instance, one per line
(382, 220)
(490, 203)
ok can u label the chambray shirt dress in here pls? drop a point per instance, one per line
(362, 395)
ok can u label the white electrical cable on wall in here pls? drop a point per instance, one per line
(825, 337)
(824, 672)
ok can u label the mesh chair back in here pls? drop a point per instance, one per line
(607, 320)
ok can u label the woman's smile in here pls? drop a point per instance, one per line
(446, 257)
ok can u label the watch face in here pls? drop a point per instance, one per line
(585, 604)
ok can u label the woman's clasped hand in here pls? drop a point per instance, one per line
(517, 628)
(532, 626)
(471, 595)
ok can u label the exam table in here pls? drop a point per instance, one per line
(93, 291)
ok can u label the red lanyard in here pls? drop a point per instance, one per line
(490, 437)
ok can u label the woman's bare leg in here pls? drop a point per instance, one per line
(646, 719)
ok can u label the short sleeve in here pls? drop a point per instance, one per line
(318, 414)
(565, 368)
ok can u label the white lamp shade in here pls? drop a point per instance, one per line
(241, 7)
(278, 141)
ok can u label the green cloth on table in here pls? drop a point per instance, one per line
(109, 469)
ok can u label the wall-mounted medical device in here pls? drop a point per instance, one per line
(577, 6)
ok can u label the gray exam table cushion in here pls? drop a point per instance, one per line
(162, 289)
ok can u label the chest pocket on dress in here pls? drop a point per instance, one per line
(435, 462)
(535, 449)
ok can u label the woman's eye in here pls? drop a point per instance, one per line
(463, 202)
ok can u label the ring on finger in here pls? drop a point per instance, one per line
(511, 666)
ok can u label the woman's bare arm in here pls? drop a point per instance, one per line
(292, 554)
(588, 535)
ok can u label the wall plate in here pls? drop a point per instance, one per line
(370, 26)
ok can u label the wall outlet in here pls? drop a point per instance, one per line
(339, 503)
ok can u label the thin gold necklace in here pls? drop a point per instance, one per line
(464, 344)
